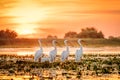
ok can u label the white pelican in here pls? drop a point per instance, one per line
(79, 52)
(39, 53)
(65, 53)
(53, 52)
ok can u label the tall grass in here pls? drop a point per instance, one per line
(22, 43)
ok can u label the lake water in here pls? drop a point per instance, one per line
(31, 51)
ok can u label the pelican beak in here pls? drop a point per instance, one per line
(56, 42)
(82, 40)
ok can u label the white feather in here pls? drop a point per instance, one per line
(52, 53)
(65, 53)
(38, 53)
(79, 52)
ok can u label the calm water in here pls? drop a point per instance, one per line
(31, 51)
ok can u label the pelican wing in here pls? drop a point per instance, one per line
(78, 54)
(81, 52)
(38, 54)
(52, 55)
(63, 55)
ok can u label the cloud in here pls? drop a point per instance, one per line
(78, 7)
(78, 12)
(7, 19)
(6, 22)
(7, 3)
(48, 30)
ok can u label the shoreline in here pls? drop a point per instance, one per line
(86, 50)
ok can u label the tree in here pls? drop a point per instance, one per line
(111, 37)
(100, 35)
(90, 33)
(70, 34)
(51, 37)
(85, 33)
(7, 34)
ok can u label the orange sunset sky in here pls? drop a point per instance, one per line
(39, 18)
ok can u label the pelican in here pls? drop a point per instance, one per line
(39, 53)
(65, 53)
(52, 53)
(79, 52)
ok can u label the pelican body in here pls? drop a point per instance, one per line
(52, 53)
(79, 52)
(38, 53)
(65, 53)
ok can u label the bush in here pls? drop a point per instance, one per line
(51, 37)
(90, 33)
(70, 34)
(7, 34)
(85, 33)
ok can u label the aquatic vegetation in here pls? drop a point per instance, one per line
(89, 65)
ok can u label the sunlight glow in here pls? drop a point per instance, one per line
(24, 29)
(28, 12)
(27, 16)
(40, 18)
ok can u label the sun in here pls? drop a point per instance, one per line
(28, 12)
(27, 16)
(24, 29)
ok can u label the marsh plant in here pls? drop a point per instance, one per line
(89, 65)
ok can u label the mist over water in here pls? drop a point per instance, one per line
(31, 51)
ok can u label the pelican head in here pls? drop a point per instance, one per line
(54, 41)
(79, 40)
(65, 41)
(39, 40)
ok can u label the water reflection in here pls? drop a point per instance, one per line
(31, 51)
(54, 73)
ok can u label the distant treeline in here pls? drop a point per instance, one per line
(89, 36)
(6, 36)
(85, 33)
